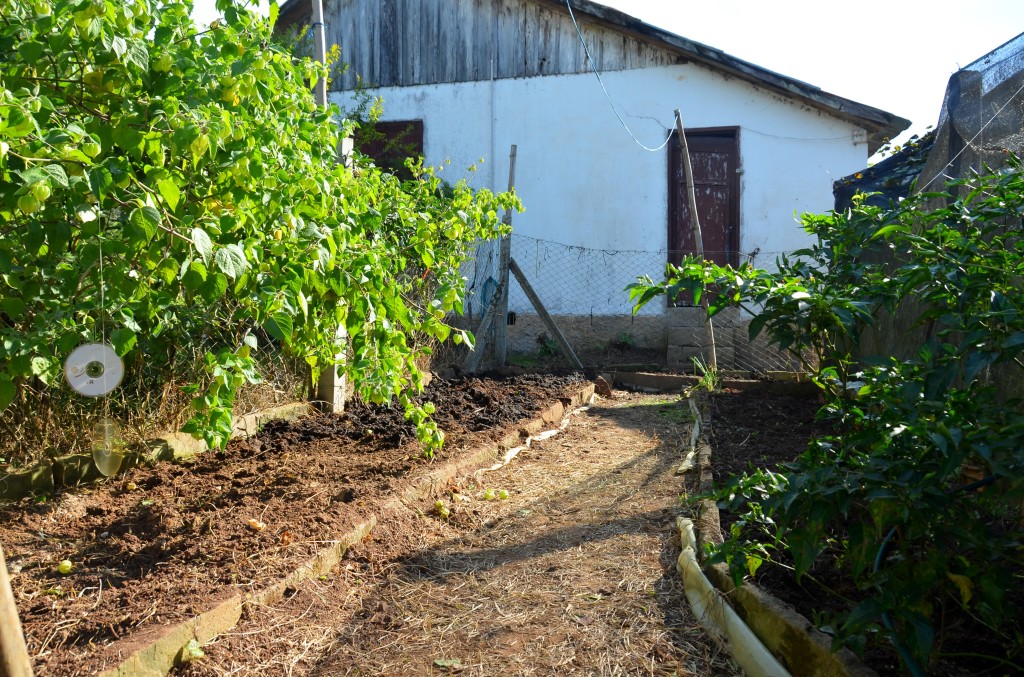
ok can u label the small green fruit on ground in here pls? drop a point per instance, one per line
(489, 495)
(64, 567)
(502, 495)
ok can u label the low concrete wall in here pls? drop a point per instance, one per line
(588, 334)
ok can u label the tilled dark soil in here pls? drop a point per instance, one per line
(159, 544)
(751, 429)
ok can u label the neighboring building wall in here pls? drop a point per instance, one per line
(584, 182)
(413, 42)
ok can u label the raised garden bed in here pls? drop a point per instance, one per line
(758, 429)
(160, 545)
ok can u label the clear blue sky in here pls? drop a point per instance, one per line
(892, 54)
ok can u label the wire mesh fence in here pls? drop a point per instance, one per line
(584, 291)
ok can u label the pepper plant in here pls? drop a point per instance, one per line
(885, 496)
(172, 191)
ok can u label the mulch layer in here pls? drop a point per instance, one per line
(158, 545)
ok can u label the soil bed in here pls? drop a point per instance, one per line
(756, 429)
(157, 545)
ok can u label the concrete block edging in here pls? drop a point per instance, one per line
(791, 637)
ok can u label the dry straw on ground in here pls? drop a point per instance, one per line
(573, 574)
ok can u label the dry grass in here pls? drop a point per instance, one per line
(573, 574)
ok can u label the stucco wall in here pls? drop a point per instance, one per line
(584, 182)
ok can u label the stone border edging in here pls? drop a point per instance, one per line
(169, 646)
(804, 649)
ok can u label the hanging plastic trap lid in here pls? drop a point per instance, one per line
(93, 369)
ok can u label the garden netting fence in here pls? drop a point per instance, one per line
(584, 291)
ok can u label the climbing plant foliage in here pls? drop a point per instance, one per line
(889, 497)
(168, 189)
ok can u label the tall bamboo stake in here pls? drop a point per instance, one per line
(697, 237)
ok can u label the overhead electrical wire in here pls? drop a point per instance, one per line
(607, 96)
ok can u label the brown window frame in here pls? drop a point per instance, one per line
(386, 146)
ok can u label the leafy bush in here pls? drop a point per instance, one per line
(885, 495)
(175, 192)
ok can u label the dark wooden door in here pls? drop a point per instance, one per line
(714, 156)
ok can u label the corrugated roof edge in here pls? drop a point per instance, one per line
(880, 125)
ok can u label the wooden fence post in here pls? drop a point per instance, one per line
(331, 385)
(505, 254)
(14, 660)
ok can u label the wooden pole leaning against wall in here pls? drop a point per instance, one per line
(331, 386)
(545, 316)
(698, 238)
(14, 659)
(505, 255)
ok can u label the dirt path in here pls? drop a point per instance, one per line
(573, 573)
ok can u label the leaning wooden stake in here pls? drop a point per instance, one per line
(14, 660)
(697, 237)
(542, 311)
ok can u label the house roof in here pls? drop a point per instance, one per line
(977, 125)
(879, 124)
(888, 181)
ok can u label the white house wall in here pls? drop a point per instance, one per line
(584, 181)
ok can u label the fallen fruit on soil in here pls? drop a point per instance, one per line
(65, 566)
(502, 495)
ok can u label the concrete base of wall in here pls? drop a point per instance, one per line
(677, 337)
(588, 334)
(688, 339)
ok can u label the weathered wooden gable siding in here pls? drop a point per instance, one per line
(415, 42)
